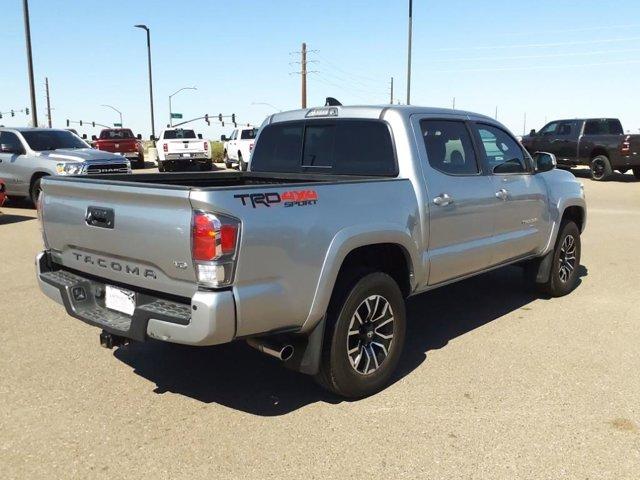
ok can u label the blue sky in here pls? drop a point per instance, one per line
(550, 59)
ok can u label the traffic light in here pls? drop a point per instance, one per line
(93, 124)
(0, 115)
(80, 122)
(67, 122)
(13, 114)
(220, 117)
(233, 119)
(206, 118)
(26, 111)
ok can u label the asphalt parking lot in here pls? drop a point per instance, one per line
(495, 383)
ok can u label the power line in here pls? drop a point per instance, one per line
(526, 57)
(539, 67)
(538, 45)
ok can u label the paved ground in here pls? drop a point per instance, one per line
(495, 384)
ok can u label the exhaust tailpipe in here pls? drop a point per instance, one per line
(281, 351)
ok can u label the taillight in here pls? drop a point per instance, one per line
(251, 147)
(625, 149)
(206, 146)
(165, 147)
(214, 244)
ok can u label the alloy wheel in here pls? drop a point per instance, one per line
(567, 258)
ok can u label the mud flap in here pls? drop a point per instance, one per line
(308, 350)
(540, 269)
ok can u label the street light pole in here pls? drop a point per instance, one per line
(32, 89)
(153, 128)
(178, 91)
(119, 112)
(409, 54)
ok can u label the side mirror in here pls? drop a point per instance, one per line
(93, 137)
(544, 161)
(139, 137)
(151, 138)
(200, 136)
(532, 132)
(223, 138)
(84, 136)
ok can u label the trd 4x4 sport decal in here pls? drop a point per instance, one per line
(292, 198)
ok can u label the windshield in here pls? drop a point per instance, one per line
(249, 134)
(42, 140)
(116, 134)
(180, 133)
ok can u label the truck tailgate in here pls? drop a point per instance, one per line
(185, 146)
(134, 235)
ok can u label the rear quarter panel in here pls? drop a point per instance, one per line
(290, 256)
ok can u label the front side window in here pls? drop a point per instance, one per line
(179, 134)
(502, 153)
(550, 129)
(11, 140)
(45, 140)
(449, 147)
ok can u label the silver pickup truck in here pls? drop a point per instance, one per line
(29, 154)
(309, 257)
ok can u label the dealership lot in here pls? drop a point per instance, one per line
(494, 383)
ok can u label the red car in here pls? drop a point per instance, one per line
(3, 195)
(122, 141)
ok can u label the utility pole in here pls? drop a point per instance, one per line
(409, 54)
(303, 74)
(32, 89)
(46, 85)
(524, 127)
(496, 115)
(391, 102)
(153, 128)
(453, 103)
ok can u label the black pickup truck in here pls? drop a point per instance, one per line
(599, 143)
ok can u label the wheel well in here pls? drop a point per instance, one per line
(35, 177)
(599, 151)
(389, 258)
(576, 215)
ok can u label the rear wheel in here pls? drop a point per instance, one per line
(161, 167)
(636, 172)
(227, 163)
(241, 165)
(366, 324)
(600, 168)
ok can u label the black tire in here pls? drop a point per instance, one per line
(227, 163)
(241, 165)
(563, 278)
(636, 172)
(337, 370)
(600, 168)
(161, 167)
(34, 191)
(207, 166)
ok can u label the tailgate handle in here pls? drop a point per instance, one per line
(100, 217)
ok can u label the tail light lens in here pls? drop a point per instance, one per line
(625, 149)
(214, 245)
(251, 147)
(165, 147)
(206, 146)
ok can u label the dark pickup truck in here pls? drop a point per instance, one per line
(599, 143)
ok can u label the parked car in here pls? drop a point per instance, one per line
(180, 147)
(3, 194)
(346, 212)
(123, 142)
(599, 143)
(239, 146)
(29, 154)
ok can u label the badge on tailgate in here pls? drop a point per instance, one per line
(100, 217)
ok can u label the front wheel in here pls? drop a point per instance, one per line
(636, 172)
(563, 277)
(600, 168)
(34, 191)
(366, 324)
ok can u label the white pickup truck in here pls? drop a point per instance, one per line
(239, 146)
(181, 147)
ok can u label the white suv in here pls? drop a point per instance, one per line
(239, 146)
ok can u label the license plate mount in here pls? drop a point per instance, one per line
(120, 300)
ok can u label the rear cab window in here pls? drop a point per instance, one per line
(179, 134)
(331, 146)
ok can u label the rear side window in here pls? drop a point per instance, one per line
(603, 127)
(449, 147)
(342, 147)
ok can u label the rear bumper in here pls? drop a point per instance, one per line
(208, 319)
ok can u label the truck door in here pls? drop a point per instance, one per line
(544, 139)
(460, 199)
(565, 145)
(14, 165)
(520, 197)
(232, 151)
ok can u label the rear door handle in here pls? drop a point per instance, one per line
(443, 200)
(502, 194)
